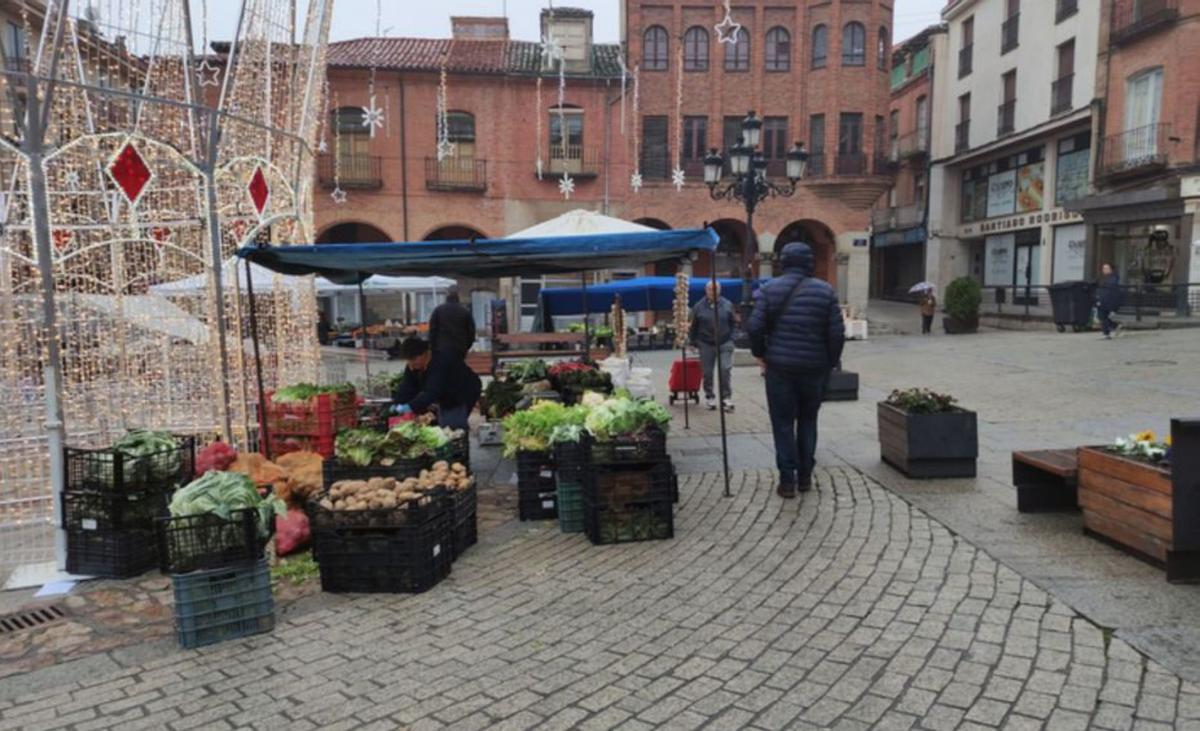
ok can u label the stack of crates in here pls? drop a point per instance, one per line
(110, 503)
(570, 471)
(629, 491)
(396, 550)
(537, 494)
(221, 580)
(311, 426)
(464, 507)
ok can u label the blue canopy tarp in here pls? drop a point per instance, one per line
(637, 295)
(482, 258)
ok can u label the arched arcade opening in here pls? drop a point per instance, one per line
(818, 236)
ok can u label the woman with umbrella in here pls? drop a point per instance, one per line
(927, 301)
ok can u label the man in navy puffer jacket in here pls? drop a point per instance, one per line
(796, 331)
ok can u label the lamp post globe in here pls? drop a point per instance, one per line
(751, 130)
(713, 165)
(797, 162)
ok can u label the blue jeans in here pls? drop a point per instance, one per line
(793, 401)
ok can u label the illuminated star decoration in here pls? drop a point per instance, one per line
(323, 147)
(339, 196)
(73, 181)
(635, 182)
(372, 117)
(208, 74)
(551, 50)
(445, 149)
(566, 186)
(728, 29)
(677, 178)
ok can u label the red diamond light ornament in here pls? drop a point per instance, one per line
(129, 171)
(62, 238)
(260, 192)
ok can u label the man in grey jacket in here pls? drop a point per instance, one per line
(714, 341)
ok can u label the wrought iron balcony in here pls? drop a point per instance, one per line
(1061, 92)
(966, 55)
(456, 174)
(913, 144)
(1135, 18)
(1006, 116)
(1136, 151)
(850, 164)
(897, 217)
(1010, 36)
(577, 160)
(962, 135)
(816, 165)
(350, 171)
(884, 164)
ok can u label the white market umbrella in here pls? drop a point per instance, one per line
(580, 222)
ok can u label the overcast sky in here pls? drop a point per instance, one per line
(354, 18)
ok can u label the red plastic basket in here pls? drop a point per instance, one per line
(323, 416)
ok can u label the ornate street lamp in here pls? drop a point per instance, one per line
(751, 186)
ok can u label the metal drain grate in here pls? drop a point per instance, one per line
(30, 619)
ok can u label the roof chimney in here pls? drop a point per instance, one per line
(479, 29)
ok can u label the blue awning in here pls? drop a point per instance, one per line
(482, 258)
(637, 295)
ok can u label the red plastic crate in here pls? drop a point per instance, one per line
(286, 443)
(324, 415)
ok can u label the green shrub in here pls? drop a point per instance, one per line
(963, 299)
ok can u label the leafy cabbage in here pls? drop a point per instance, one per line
(623, 417)
(531, 430)
(220, 493)
(359, 447)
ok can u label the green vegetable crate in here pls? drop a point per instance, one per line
(223, 604)
(629, 503)
(537, 497)
(570, 461)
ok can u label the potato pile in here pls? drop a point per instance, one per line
(387, 493)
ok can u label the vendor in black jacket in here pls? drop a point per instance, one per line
(440, 379)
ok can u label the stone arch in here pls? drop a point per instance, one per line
(353, 232)
(733, 241)
(453, 232)
(818, 236)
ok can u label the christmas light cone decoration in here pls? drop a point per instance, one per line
(680, 310)
(620, 334)
(153, 179)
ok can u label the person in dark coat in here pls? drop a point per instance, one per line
(451, 326)
(796, 332)
(713, 321)
(438, 379)
(1108, 300)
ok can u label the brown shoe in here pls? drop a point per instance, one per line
(786, 490)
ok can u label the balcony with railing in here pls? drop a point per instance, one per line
(577, 160)
(966, 55)
(1061, 92)
(895, 218)
(913, 144)
(1006, 117)
(1010, 36)
(363, 172)
(883, 163)
(1138, 151)
(1134, 18)
(464, 174)
(816, 165)
(962, 135)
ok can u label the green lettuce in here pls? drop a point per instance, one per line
(220, 493)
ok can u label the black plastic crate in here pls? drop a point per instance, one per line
(463, 509)
(412, 513)
(570, 461)
(537, 497)
(208, 541)
(115, 471)
(405, 560)
(458, 450)
(92, 510)
(223, 604)
(334, 471)
(623, 505)
(652, 448)
(111, 554)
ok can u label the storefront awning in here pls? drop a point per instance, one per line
(915, 235)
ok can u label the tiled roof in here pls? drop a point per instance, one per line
(473, 56)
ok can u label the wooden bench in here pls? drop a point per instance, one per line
(1046, 480)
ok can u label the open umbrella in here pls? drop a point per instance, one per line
(922, 287)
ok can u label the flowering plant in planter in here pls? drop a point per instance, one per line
(921, 401)
(1143, 446)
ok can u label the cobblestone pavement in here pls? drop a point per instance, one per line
(847, 609)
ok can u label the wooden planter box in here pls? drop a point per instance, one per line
(929, 445)
(1135, 505)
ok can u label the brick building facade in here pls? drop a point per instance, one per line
(814, 70)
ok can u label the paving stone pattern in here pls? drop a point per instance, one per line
(847, 609)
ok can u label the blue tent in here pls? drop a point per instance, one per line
(482, 258)
(637, 295)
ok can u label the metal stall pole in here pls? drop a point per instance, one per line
(362, 308)
(264, 436)
(587, 313)
(712, 258)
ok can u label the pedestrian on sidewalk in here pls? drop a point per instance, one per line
(713, 322)
(796, 332)
(928, 303)
(1108, 300)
